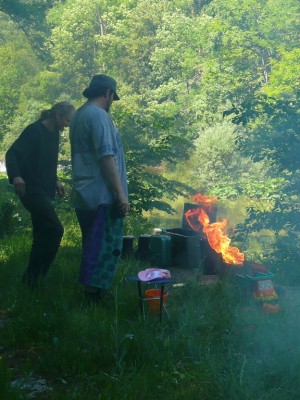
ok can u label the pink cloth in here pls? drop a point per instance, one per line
(153, 274)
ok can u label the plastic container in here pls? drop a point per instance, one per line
(153, 299)
(187, 247)
(160, 251)
(143, 251)
(127, 249)
(264, 290)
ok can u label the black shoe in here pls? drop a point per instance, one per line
(107, 297)
(102, 297)
(29, 281)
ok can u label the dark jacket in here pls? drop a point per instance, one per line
(33, 157)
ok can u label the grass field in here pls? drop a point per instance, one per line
(55, 346)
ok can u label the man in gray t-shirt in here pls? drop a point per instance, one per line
(100, 194)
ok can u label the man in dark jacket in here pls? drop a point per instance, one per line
(31, 164)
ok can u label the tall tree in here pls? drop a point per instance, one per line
(273, 133)
(18, 65)
(29, 16)
(238, 43)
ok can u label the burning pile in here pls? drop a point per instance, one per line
(216, 232)
(255, 277)
(202, 240)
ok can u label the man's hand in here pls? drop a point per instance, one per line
(60, 189)
(19, 186)
(123, 204)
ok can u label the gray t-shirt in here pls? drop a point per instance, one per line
(92, 136)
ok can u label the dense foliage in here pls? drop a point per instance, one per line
(181, 66)
(209, 103)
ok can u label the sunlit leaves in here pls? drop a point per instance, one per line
(73, 43)
(17, 66)
(285, 77)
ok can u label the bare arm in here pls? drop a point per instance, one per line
(111, 176)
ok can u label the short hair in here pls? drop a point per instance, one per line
(97, 91)
(64, 107)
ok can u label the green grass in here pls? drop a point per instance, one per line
(213, 347)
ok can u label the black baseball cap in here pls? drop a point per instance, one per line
(100, 81)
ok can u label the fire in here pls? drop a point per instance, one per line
(200, 198)
(215, 232)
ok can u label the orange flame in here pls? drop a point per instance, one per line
(215, 232)
(201, 198)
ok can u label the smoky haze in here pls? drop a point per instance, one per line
(209, 105)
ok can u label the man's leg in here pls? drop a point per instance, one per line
(47, 234)
(85, 219)
(102, 244)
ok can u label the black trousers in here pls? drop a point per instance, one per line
(47, 232)
(85, 219)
